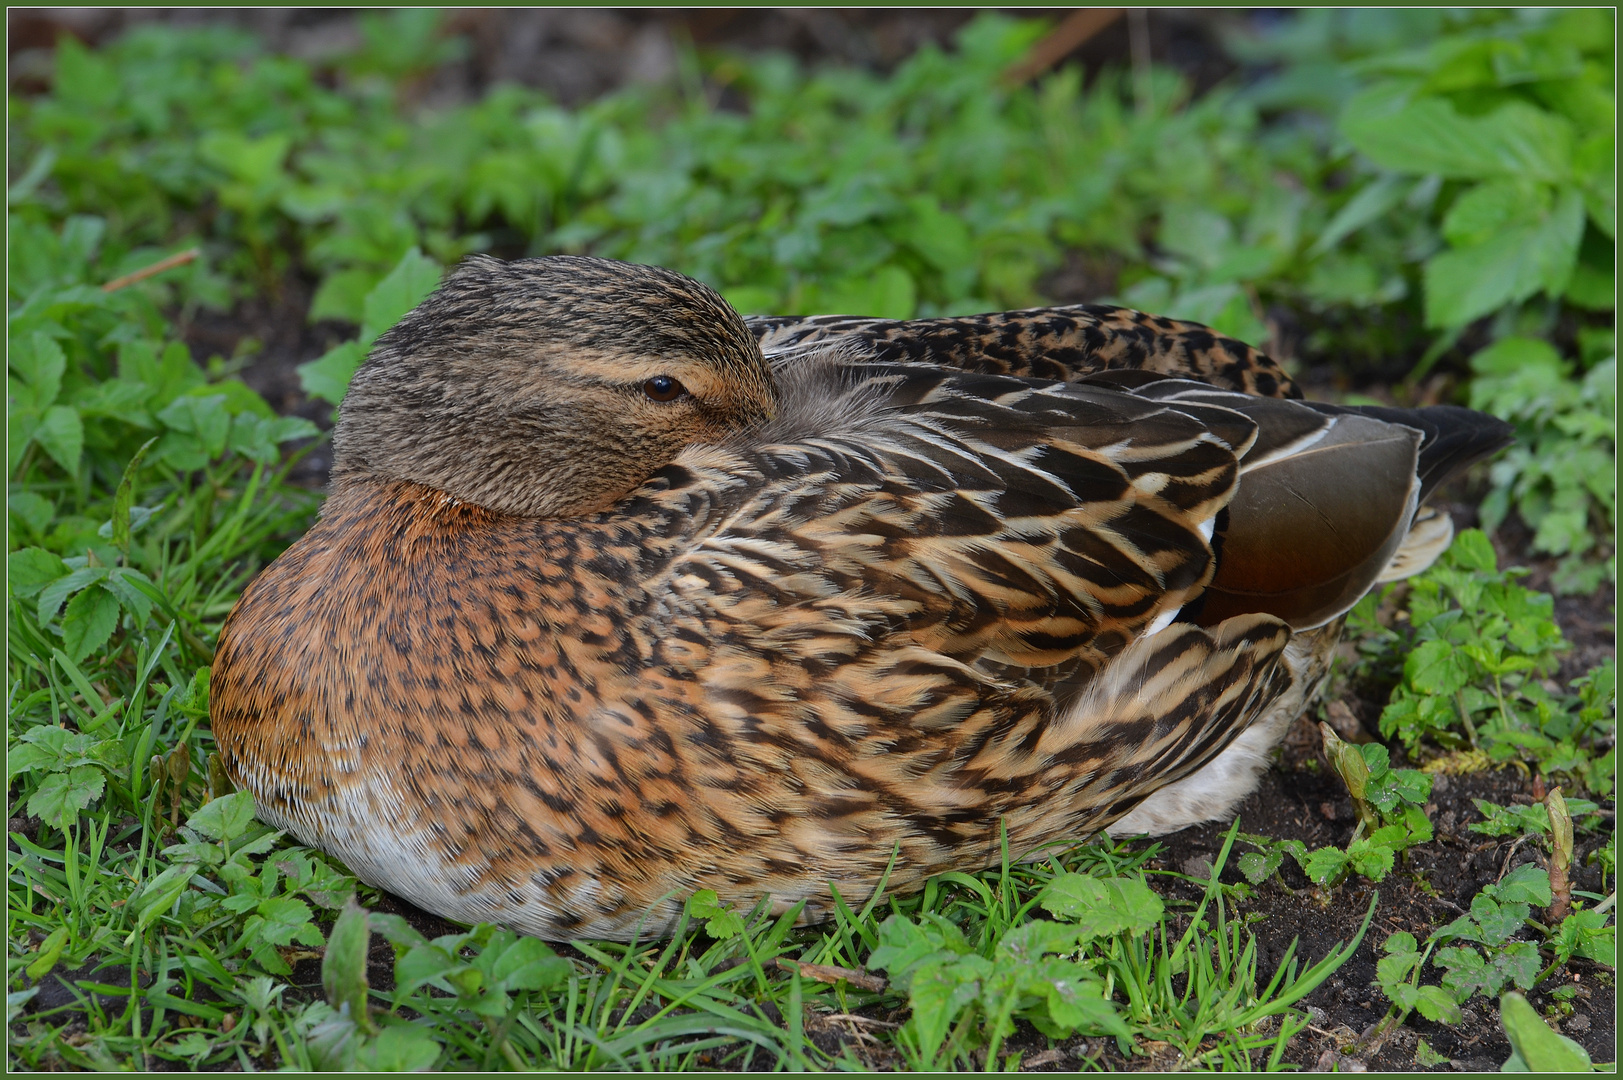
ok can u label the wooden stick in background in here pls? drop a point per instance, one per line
(178, 259)
(1077, 28)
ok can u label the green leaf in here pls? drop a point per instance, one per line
(399, 1048)
(1076, 1000)
(41, 363)
(1430, 136)
(721, 922)
(1519, 962)
(406, 286)
(529, 964)
(904, 945)
(328, 377)
(88, 623)
(125, 496)
(343, 964)
(159, 894)
(205, 418)
(1372, 202)
(940, 991)
(61, 796)
(28, 571)
(1436, 667)
(1426, 1057)
(284, 917)
(1466, 283)
(52, 596)
(1465, 972)
(62, 435)
(422, 964)
(1499, 922)
(1533, 1046)
(47, 954)
(1527, 884)
(1324, 863)
(1102, 907)
(1259, 866)
(396, 931)
(1437, 1005)
(225, 818)
(32, 509)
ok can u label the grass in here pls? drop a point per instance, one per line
(145, 489)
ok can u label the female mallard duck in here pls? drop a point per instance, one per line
(619, 596)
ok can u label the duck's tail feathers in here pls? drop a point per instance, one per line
(1327, 500)
(1425, 542)
(1451, 438)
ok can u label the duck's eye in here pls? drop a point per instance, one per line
(663, 388)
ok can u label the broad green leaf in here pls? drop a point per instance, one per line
(406, 286)
(721, 922)
(159, 894)
(28, 571)
(1499, 922)
(1520, 962)
(905, 944)
(61, 796)
(1027, 944)
(1527, 884)
(62, 435)
(1437, 1005)
(1533, 1046)
(204, 417)
(529, 964)
(1102, 907)
(396, 931)
(1258, 867)
(342, 295)
(1076, 1000)
(1430, 136)
(1324, 863)
(328, 377)
(940, 991)
(343, 964)
(225, 818)
(47, 953)
(1491, 208)
(88, 622)
(32, 508)
(1466, 283)
(41, 362)
(399, 1048)
(422, 964)
(284, 917)
(1436, 667)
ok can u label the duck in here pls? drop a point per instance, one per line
(618, 595)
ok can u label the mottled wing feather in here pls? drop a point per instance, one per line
(1028, 529)
(1064, 343)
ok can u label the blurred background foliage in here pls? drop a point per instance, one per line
(1378, 196)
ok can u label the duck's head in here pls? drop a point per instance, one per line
(550, 387)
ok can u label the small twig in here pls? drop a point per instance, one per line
(1078, 27)
(855, 1019)
(178, 259)
(825, 973)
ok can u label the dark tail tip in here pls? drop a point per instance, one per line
(1452, 438)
